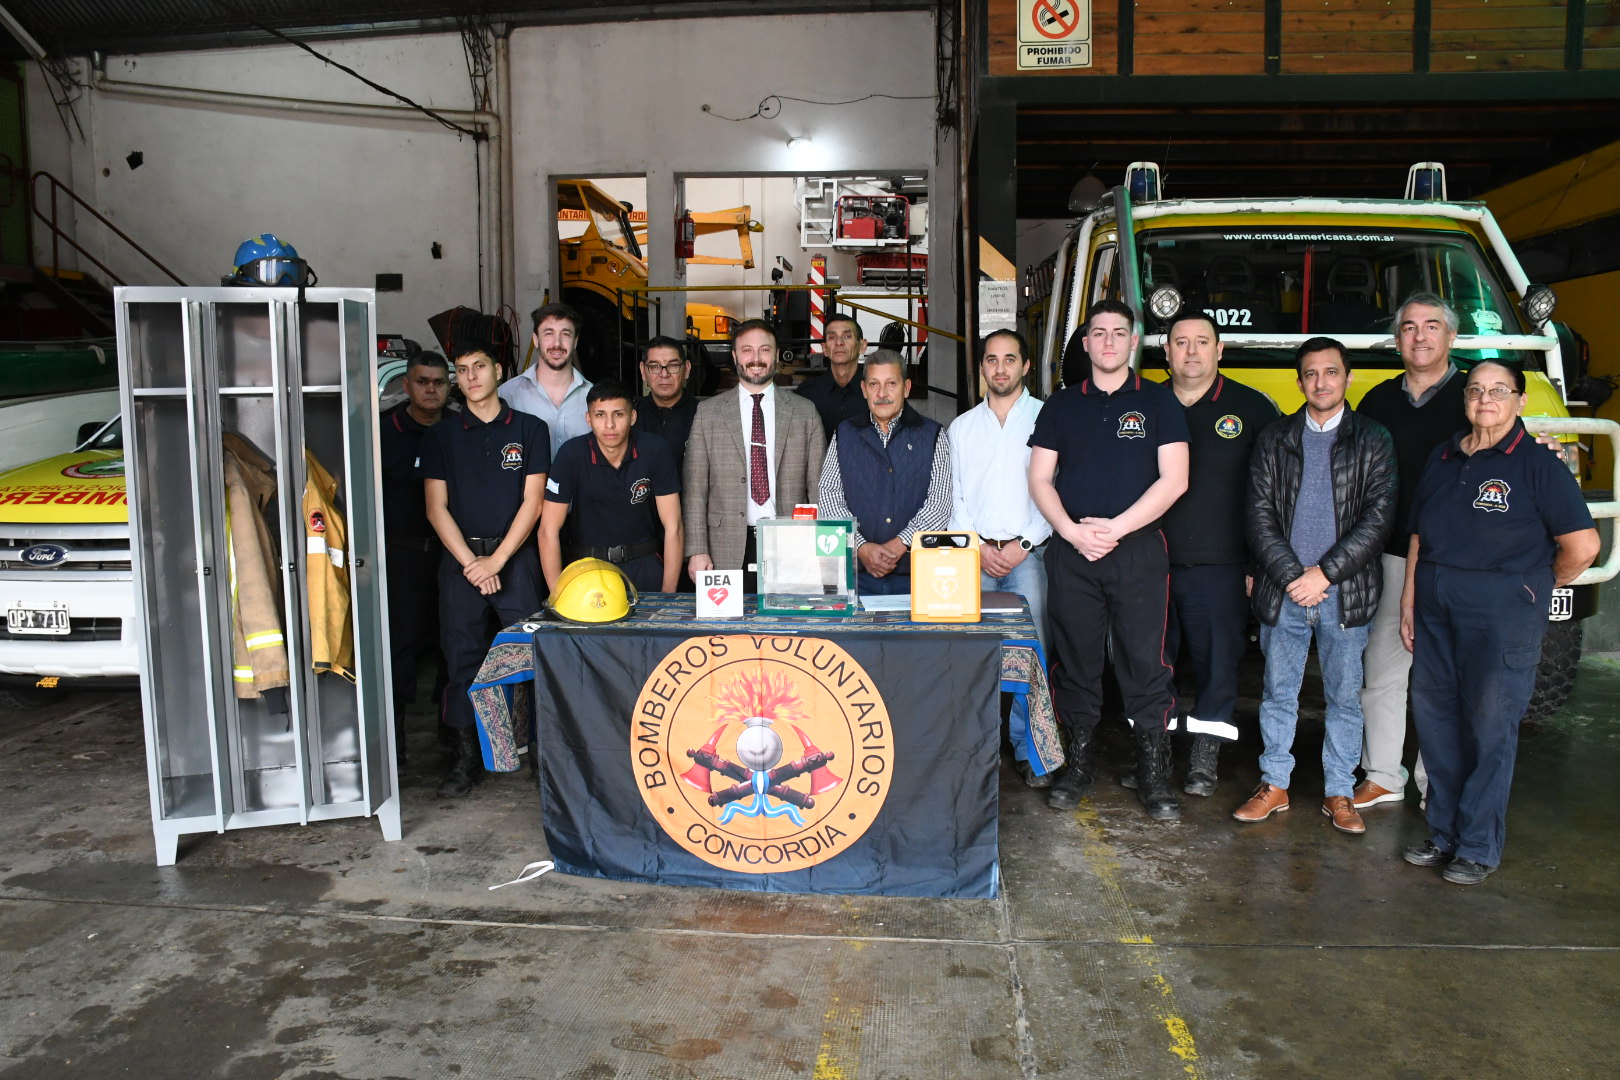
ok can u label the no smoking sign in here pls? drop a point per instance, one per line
(1054, 34)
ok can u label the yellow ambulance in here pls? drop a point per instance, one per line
(65, 581)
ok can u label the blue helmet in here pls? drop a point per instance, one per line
(266, 260)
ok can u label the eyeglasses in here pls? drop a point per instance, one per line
(1497, 393)
(666, 369)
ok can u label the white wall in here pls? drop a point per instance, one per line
(356, 196)
(363, 196)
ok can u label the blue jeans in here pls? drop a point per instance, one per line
(1338, 654)
(1028, 579)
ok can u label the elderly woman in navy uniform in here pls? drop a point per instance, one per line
(1496, 524)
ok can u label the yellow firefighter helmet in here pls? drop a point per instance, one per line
(592, 591)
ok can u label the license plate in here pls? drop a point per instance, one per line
(51, 620)
(1563, 605)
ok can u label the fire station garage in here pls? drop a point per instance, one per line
(196, 883)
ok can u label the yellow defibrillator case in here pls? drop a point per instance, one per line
(945, 577)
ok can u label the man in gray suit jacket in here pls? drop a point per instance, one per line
(752, 454)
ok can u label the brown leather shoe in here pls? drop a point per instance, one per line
(1368, 794)
(1266, 800)
(1344, 816)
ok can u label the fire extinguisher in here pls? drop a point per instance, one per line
(685, 236)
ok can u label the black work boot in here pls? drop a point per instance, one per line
(1153, 774)
(1076, 780)
(1202, 762)
(1127, 778)
(466, 769)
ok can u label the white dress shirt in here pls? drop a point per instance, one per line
(767, 404)
(990, 473)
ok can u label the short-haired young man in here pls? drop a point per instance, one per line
(990, 495)
(614, 494)
(484, 476)
(553, 388)
(753, 453)
(1109, 458)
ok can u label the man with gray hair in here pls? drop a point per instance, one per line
(1421, 408)
(890, 472)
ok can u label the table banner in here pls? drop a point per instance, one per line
(849, 762)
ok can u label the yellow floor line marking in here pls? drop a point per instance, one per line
(1100, 859)
(840, 1045)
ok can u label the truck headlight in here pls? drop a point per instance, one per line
(1538, 304)
(1164, 302)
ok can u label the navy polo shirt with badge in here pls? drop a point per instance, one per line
(608, 505)
(1205, 526)
(1108, 444)
(485, 466)
(1497, 508)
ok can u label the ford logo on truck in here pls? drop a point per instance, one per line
(44, 556)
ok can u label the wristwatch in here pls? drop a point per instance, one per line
(1025, 544)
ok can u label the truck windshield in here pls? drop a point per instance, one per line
(1267, 281)
(612, 223)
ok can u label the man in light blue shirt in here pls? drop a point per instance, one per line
(990, 495)
(552, 388)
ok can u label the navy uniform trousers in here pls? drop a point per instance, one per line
(413, 612)
(1123, 596)
(464, 622)
(1209, 616)
(1477, 643)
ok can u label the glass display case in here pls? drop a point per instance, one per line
(806, 567)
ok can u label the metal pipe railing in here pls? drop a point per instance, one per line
(58, 234)
(1580, 425)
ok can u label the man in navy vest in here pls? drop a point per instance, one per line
(890, 473)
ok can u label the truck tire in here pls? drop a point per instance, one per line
(1560, 655)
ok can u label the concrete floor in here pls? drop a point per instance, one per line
(1118, 948)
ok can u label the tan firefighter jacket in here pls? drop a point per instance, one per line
(326, 562)
(259, 647)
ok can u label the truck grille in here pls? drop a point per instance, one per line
(78, 630)
(88, 547)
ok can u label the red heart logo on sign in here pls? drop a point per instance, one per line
(718, 594)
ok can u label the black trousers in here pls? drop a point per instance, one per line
(465, 620)
(413, 612)
(1123, 596)
(1209, 614)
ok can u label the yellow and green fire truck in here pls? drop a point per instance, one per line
(1273, 272)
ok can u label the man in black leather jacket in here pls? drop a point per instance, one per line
(1322, 491)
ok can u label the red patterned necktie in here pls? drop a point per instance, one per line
(759, 481)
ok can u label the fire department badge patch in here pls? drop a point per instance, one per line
(1229, 426)
(640, 490)
(1493, 495)
(512, 456)
(762, 754)
(1133, 425)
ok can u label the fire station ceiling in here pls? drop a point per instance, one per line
(1352, 149)
(77, 27)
